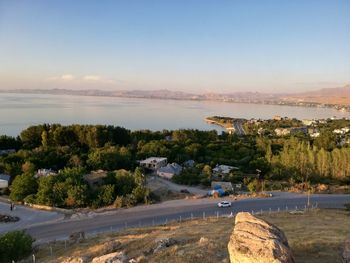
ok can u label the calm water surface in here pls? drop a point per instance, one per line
(18, 111)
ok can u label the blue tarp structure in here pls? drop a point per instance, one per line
(217, 187)
(216, 190)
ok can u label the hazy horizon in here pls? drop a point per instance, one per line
(189, 46)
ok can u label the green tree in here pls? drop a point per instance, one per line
(124, 182)
(77, 196)
(28, 167)
(22, 186)
(327, 140)
(15, 245)
(110, 158)
(45, 194)
(31, 137)
(106, 195)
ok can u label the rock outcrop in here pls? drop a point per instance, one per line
(116, 257)
(255, 240)
(164, 243)
(346, 251)
(110, 246)
(75, 260)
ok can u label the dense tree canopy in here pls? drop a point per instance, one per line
(75, 150)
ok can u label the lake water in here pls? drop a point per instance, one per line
(18, 111)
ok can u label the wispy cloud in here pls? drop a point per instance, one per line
(67, 77)
(89, 79)
(92, 78)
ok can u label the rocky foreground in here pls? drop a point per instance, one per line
(255, 240)
(206, 241)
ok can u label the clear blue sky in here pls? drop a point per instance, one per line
(189, 45)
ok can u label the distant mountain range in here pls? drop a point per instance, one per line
(154, 94)
(331, 97)
(336, 96)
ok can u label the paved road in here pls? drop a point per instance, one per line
(238, 128)
(173, 210)
(28, 217)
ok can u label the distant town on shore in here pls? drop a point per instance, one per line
(337, 98)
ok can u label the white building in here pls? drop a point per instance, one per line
(315, 134)
(45, 173)
(4, 181)
(282, 131)
(223, 169)
(342, 130)
(169, 171)
(308, 122)
(154, 163)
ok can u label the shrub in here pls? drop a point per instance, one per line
(253, 186)
(30, 199)
(15, 245)
(129, 200)
(119, 202)
(22, 186)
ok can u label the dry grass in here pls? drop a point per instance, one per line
(314, 237)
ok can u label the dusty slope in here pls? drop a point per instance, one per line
(313, 237)
(328, 96)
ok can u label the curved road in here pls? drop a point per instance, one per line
(177, 210)
(238, 127)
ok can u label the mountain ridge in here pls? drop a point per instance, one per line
(332, 96)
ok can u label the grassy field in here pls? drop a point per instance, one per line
(316, 236)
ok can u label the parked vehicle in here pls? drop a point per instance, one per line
(224, 204)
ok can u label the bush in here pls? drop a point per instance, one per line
(125, 201)
(15, 245)
(22, 186)
(30, 199)
(253, 186)
(129, 200)
(119, 202)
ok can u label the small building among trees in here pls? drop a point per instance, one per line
(154, 163)
(45, 173)
(169, 171)
(4, 181)
(95, 178)
(222, 170)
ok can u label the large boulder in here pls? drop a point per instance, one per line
(255, 240)
(116, 257)
(111, 246)
(75, 260)
(164, 243)
(346, 251)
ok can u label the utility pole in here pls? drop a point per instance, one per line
(260, 179)
(308, 195)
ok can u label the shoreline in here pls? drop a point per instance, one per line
(213, 122)
(338, 107)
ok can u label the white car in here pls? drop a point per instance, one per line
(224, 204)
